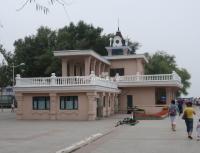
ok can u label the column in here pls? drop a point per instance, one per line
(53, 106)
(100, 63)
(19, 98)
(92, 105)
(107, 105)
(93, 65)
(71, 68)
(112, 99)
(168, 95)
(87, 65)
(64, 67)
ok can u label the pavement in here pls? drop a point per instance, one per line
(46, 136)
(148, 136)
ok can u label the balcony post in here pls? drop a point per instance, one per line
(18, 80)
(117, 77)
(92, 77)
(53, 79)
(138, 76)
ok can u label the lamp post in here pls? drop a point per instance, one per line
(13, 83)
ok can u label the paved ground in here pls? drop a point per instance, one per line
(32, 136)
(146, 137)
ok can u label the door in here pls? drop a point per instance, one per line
(99, 108)
(129, 103)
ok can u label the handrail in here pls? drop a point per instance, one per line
(64, 81)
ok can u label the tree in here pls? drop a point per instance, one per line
(163, 63)
(36, 51)
(5, 72)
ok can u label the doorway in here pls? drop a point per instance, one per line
(129, 104)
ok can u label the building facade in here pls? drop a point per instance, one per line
(94, 86)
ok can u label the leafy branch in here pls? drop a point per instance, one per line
(42, 7)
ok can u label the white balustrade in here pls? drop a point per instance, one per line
(144, 78)
(94, 80)
(64, 81)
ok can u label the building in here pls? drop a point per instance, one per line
(92, 86)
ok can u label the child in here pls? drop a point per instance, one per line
(198, 130)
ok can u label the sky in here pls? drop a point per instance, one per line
(166, 25)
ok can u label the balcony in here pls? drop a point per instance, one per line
(137, 80)
(69, 83)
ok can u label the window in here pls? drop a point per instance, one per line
(113, 72)
(161, 96)
(68, 102)
(41, 103)
(117, 52)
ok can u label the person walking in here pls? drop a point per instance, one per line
(12, 107)
(198, 130)
(180, 106)
(188, 114)
(173, 110)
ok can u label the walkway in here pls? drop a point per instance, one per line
(146, 137)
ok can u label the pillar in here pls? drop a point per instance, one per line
(100, 63)
(71, 68)
(53, 106)
(87, 63)
(19, 98)
(92, 105)
(64, 67)
(93, 65)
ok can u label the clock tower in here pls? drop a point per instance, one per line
(118, 45)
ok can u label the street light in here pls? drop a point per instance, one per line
(13, 81)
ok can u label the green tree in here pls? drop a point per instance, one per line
(163, 63)
(5, 71)
(36, 52)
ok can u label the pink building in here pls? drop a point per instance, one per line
(92, 86)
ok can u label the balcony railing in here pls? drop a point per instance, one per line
(64, 81)
(174, 77)
(94, 80)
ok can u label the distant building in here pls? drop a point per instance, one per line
(93, 86)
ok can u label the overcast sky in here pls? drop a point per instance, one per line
(169, 25)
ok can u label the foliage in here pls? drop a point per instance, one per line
(36, 51)
(163, 63)
(5, 72)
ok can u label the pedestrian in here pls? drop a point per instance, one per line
(173, 110)
(180, 106)
(198, 130)
(12, 107)
(189, 113)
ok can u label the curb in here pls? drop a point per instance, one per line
(84, 142)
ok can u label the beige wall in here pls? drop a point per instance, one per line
(80, 114)
(144, 97)
(141, 96)
(131, 66)
(87, 106)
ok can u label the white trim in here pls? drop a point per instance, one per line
(80, 52)
(151, 84)
(131, 56)
(84, 88)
